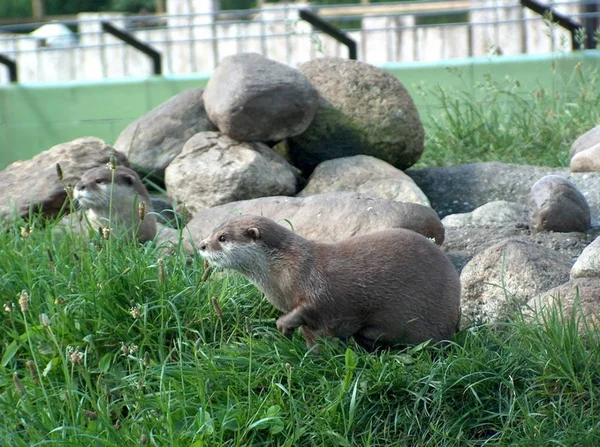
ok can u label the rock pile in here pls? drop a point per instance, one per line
(520, 235)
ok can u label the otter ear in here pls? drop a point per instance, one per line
(253, 233)
(128, 179)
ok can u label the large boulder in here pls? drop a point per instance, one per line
(252, 98)
(576, 298)
(364, 174)
(362, 110)
(34, 184)
(557, 205)
(213, 169)
(152, 141)
(502, 278)
(326, 217)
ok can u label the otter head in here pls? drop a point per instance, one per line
(247, 244)
(99, 185)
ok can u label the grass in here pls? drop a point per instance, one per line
(105, 343)
(501, 120)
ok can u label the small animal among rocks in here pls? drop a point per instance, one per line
(111, 199)
(385, 288)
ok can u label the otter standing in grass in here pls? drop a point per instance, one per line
(386, 288)
(111, 199)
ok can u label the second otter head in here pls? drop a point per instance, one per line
(98, 185)
(245, 243)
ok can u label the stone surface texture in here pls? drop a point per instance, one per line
(367, 175)
(462, 188)
(252, 98)
(557, 205)
(585, 141)
(505, 276)
(497, 213)
(576, 298)
(588, 262)
(213, 169)
(326, 217)
(152, 141)
(362, 110)
(587, 160)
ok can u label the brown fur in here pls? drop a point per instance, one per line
(112, 201)
(389, 287)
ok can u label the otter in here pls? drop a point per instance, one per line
(111, 199)
(391, 287)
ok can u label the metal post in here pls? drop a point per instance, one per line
(330, 30)
(12, 67)
(130, 39)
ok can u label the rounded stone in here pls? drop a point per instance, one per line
(362, 110)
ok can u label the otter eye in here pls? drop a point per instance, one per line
(222, 238)
(100, 181)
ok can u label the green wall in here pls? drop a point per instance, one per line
(34, 117)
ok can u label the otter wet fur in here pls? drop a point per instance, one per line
(392, 287)
(111, 199)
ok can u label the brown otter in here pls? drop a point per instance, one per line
(111, 199)
(392, 286)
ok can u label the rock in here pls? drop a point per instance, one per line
(557, 205)
(588, 263)
(152, 141)
(326, 217)
(462, 243)
(497, 213)
(35, 184)
(165, 212)
(213, 169)
(502, 278)
(584, 293)
(252, 98)
(462, 188)
(362, 110)
(585, 141)
(364, 174)
(587, 160)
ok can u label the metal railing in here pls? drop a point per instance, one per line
(377, 33)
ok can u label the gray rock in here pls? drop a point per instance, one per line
(153, 140)
(585, 141)
(34, 184)
(364, 174)
(213, 169)
(497, 213)
(326, 217)
(362, 110)
(504, 277)
(588, 263)
(578, 297)
(587, 160)
(165, 212)
(557, 205)
(462, 188)
(252, 98)
(462, 243)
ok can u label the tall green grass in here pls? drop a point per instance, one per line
(501, 120)
(117, 344)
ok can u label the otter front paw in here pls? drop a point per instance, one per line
(284, 328)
